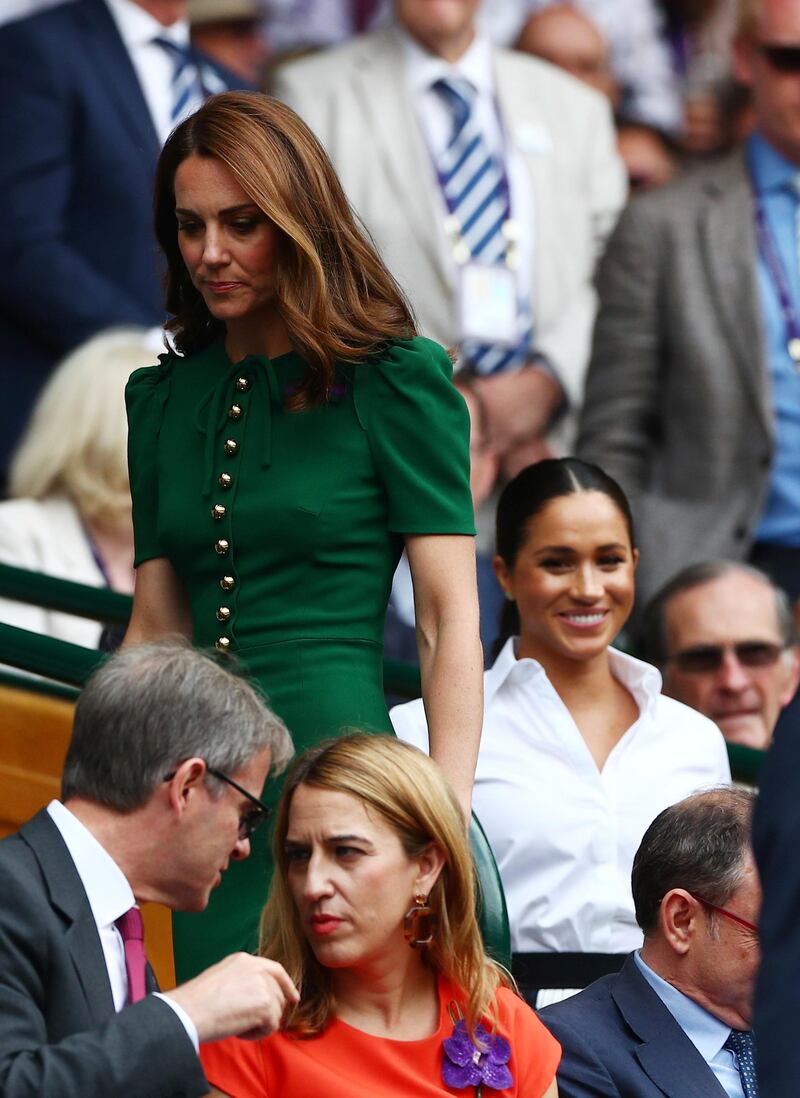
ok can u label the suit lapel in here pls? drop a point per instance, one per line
(380, 85)
(666, 1054)
(118, 76)
(68, 897)
(730, 248)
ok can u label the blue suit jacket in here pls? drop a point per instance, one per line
(77, 250)
(620, 1041)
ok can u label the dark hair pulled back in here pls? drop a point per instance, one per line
(528, 494)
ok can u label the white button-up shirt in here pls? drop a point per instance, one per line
(563, 832)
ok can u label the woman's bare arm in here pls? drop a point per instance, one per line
(448, 642)
(160, 604)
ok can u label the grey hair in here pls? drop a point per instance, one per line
(151, 706)
(699, 844)
(655, 647)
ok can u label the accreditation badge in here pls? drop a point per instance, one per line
(488, 304)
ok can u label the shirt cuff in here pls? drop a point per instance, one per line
(184, 1018)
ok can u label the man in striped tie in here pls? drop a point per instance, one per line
(89, 90)
(169, 752)
(489, 181)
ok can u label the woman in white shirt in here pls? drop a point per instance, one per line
(580, 750)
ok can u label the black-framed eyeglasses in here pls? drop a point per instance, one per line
(728, 914)
(248, 821)
(782, 57)
(709, 657)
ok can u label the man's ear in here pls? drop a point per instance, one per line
(678, 919)
(742, 59)
(792, 658)
(188, 778)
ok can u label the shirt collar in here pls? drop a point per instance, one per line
(138, 27)
(769, 169)
(107, 888)
(424, 68)
(640, 678)
(707, 1033)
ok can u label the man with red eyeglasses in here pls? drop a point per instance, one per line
(723, 637)
(693, 393)
(676, 1020)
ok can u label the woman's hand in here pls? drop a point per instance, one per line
(160, 605)
(450, 657)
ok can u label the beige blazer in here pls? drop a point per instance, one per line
(354, 98)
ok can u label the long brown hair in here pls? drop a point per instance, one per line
(335, 295)
(409, 791)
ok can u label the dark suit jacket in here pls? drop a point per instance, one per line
(620, 1041)
(776, 838)
(59, 1034)
(77, 250)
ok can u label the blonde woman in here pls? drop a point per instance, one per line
(372, 914)
(69, 514)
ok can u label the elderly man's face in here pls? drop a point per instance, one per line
(730, 627)
(767, 61)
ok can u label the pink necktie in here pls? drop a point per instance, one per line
(131, 927)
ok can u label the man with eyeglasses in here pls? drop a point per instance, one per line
(693, 393)
(676, 1020)
(160, 791)
(723, 636)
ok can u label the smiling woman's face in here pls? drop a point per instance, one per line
(572, 579)
(350, 878)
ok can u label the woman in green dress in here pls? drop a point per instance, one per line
(301, 437)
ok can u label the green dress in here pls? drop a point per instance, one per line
(285, 528)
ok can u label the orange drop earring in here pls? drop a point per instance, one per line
(419, 923)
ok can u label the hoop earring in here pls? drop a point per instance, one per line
(419, 923)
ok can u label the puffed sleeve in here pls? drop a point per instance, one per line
(145, 395)
(235, 1067)
(418, 429)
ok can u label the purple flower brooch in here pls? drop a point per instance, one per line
(478, 1063)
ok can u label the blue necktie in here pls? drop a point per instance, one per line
(186, 87)
(475, 189)
(741, 1044)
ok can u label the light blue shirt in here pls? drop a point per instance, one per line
(707, 1033)
(772, 177)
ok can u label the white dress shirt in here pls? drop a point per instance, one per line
(563, 832)
(423, 69)
(110, 896)
(153, 65)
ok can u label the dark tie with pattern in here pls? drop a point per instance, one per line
(741, 1044)
(131, 928)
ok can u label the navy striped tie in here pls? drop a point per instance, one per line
(186, 87)
(475, 189)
